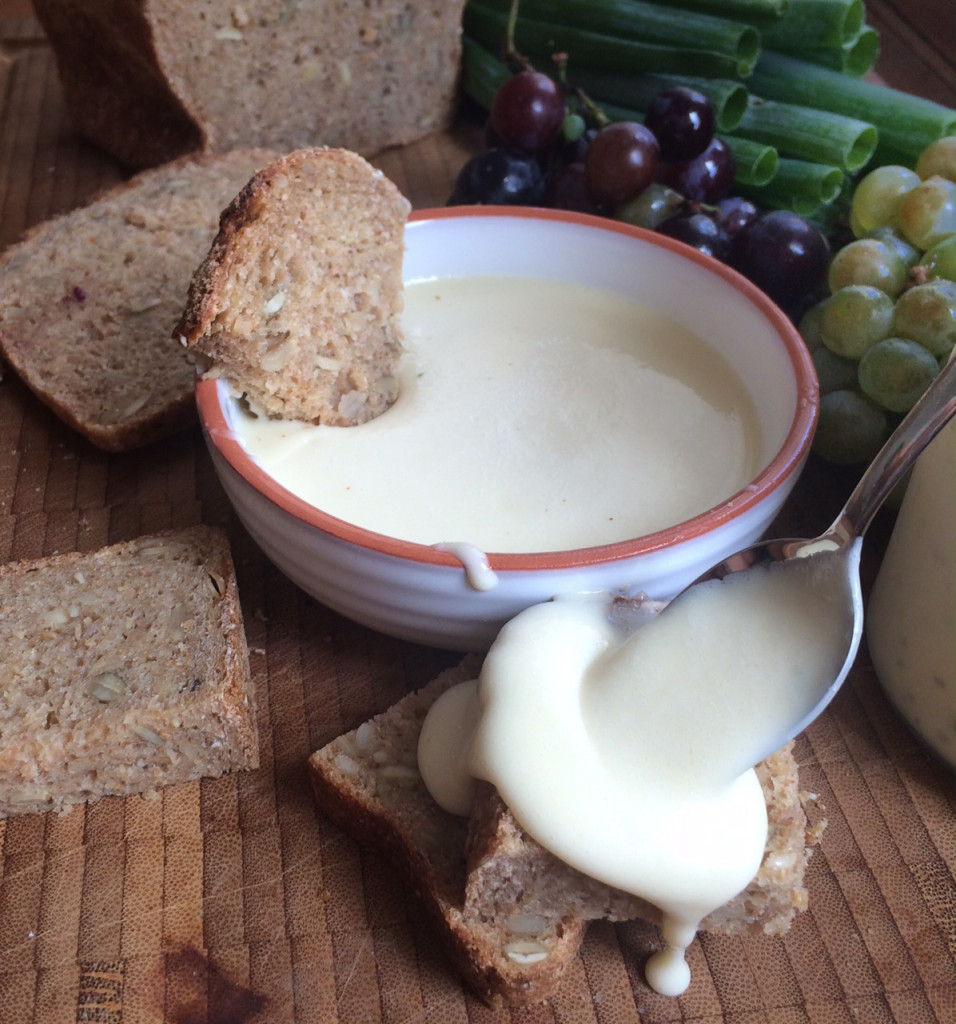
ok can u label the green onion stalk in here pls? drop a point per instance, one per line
(756, 12)
(644, 22)
(855, 59)
(809, 134)
(801, 185)
(815, 24)
(728, 96)
(482, 74)
(755, 162)
(905, 124)
(540, 40)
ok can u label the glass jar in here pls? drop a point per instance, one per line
(910, 618)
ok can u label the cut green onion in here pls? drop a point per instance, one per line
(856, 58)
(808, 134)
(815, 24)
(482, 74)
(644, 22)
(906, 124)
(799, 185)
(757, 12)
(594, 50)
(728, 97)
(817, 183)
(756, 163)
(615, 113)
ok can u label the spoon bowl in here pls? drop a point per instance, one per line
(836, 551)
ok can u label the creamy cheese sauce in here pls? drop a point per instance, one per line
(912, 607)
(532, 416)
(629, 754)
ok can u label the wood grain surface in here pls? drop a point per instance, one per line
(231, 901)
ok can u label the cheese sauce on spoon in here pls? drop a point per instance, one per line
(630, 757)
(630, 754)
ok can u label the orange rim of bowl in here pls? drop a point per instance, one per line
(788, 459)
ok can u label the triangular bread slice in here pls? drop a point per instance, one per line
(510, 915)
(297, 303)
(89, 299)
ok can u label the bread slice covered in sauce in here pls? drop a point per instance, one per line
(511, 916)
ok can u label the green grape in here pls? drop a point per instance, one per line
(834, 373)
(927, 213)
(909, 254)
(895, 372)
(927, 313)
(878, 196)
(573, 127)
(868, 261)
(939, 157)
(650, 207)
(809, 326)
(856, 318)
(940, 259)
(856, 228)
(850, 428)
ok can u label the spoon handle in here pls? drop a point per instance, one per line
(920, 425)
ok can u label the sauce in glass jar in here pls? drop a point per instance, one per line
(910, 619)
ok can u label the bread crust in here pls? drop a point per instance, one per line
(114, 83)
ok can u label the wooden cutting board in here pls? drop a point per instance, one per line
(232, 902)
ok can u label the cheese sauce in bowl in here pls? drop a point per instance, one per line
(582, 406)
(532, 415)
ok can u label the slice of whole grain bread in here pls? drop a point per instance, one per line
(511, 915)
(367, 782)
(151, 81)
(125, 669)
(89, 300)
(297, 303)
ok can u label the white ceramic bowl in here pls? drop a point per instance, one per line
(418, 593)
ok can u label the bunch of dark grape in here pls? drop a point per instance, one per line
(669, 174)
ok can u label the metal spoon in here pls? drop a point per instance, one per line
(918, 428)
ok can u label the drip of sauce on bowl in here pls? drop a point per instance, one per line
(474, 561)
(533, 415)
(630, 755)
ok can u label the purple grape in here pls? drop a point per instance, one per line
(527, 112)
(569, 190)
(621, 161)
(707, 178)
(700, 230)
(498, 176)
(735, 213)
(575, 151)
(683, 121)
(784, 255)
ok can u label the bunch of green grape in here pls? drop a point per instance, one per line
(889, 322)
